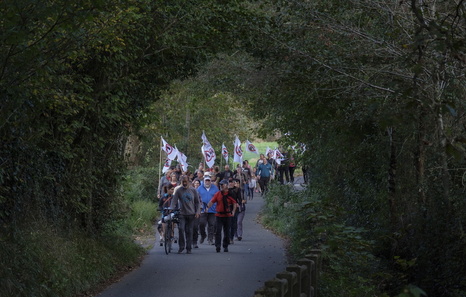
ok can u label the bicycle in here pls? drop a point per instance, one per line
(171, 220)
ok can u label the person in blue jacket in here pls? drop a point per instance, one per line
(207, 190)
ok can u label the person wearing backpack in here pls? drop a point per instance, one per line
(226, 207)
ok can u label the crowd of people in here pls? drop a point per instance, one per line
(212, 203)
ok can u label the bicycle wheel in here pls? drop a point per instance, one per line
(168, 238)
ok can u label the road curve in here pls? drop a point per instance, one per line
(204, 273)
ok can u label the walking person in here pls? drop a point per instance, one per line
(291, 167)
(226, 206)
(196, 185)
(263, 171)
(188, 199)
(237, 194)
(241, 213)
(207, 220)
(164, 204)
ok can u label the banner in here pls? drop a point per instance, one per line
(238, 153)
(171, 152)
(251, 147)
(166, 165)
(181, 158)
(209, 155)
(208, 151)
(225, 153)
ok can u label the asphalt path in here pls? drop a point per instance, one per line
(204, 273)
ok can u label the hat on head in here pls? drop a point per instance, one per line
(207, 177)
(224, 182)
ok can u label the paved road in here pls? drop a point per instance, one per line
(204, 273)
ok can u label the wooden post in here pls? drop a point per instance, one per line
(301, 275)
(292, 280)
(306, 286)
(279, 284)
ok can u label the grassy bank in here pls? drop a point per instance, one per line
(38, 260)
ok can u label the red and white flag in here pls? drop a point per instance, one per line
(268, 151)
(208, 151)
(238, 153)
(166, 165)
(209, 155)
(251, 147)
(225, 152)
(171, 151)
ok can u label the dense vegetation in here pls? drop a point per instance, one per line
(374, 89)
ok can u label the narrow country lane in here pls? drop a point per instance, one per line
(238, 273)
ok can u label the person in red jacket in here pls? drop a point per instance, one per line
(226, 207)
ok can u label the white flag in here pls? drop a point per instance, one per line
(251, 147)
(278, 156)
(171, 152)
(181, 158)
(238, 153)
(166, 166)
(209, 155)
(204, 139)
(267, 151)
(225, 153)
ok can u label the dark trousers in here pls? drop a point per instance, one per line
(196, 229)
(264, 184)
(185, 228)
(291, 169)
(223, 224)
(234, 225)
(283, 170)
(207, 220)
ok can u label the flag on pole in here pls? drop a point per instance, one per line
(166, 165)
(181, 158)
(171, 152)
(251, 147)
(238, 153)
(278, 156)
(204, 139)
(267, 151)
(225, 153)
(209, 155)
(208, 151)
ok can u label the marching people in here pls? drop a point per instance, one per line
(164, 181)
(226, 174)
(190, 208)
(263, 172)
(240, 217)
(291, 167)
(225, 208)
(196, 185)
(247, 179)
(206, 191)
(164, 204)
(235, 191)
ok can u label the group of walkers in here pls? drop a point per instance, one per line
(210, 203)
(213, 202)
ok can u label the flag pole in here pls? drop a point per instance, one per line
(160, 163)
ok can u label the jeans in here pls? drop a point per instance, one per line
(185, 234)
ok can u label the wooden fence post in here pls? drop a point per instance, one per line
(302, 274)
(306, 286)
(292, 280)
(279, 284)
(315, 273)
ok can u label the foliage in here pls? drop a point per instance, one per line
(379, 88)
(41, 262)
(350, 268)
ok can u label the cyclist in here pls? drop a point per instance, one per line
(164, 204)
